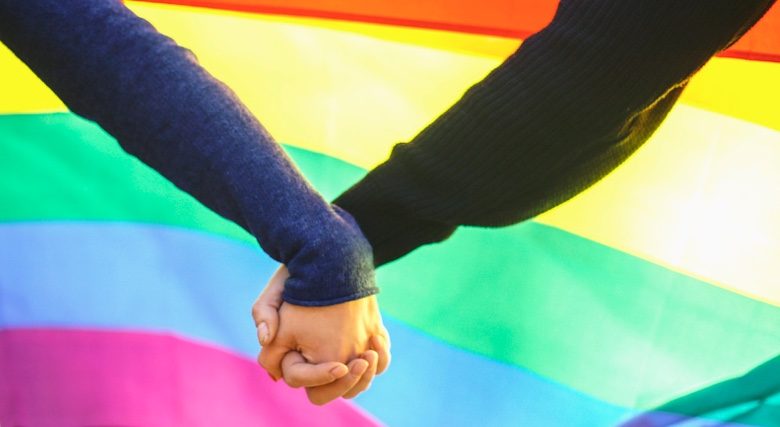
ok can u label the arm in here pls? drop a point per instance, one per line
(112, 67)
(569, 106)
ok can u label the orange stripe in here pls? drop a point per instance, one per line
(505, 18)
(460, 27)
(762, 42)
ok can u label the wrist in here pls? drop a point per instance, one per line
(391, 233)
(334, 266)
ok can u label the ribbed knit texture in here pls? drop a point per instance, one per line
(569, 106)
(112, 67)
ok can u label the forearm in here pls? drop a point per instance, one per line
(569, 106)
(112, 67)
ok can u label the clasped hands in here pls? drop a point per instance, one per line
(332, 351)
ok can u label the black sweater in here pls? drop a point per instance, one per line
(572, 103)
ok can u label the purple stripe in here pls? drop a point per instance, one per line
(55, 377)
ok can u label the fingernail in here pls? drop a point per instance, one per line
(339, 371)
(263, 328)
(272, 377)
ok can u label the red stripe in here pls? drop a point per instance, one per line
(750, 56)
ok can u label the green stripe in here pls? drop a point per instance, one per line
(61, 167)
(604, 322)
(599, 320)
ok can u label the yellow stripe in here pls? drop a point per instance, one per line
(352, 90)
(336, 92)
(748, 90)
(701, 197)
(21, 90)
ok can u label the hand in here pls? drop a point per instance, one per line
(310, 346)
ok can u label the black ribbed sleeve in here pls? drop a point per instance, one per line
(572, 103)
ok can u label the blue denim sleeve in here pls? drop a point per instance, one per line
(114, 68)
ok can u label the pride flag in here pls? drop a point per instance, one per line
(123, 301)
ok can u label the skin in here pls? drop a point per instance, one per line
(333, 351)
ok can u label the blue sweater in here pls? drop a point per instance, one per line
(113, 67)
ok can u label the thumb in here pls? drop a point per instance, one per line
(265, 310)
(267, 320)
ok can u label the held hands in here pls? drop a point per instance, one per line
(333, 351)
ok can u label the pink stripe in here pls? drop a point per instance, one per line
(75, 377)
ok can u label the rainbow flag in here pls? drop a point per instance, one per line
(652, 297)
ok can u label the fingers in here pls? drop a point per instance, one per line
(365, 381)
(381, 344)
(325, 393)
(271, 357)
(299, 373)
(265, 310)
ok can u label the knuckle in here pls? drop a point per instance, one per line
(263, 361)
(293, 382)
(316, 398)
(354, 392)
(256, 311)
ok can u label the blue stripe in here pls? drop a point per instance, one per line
(201, 286)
